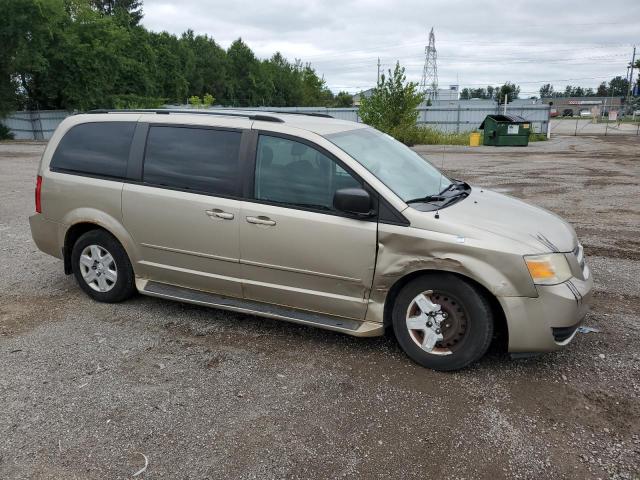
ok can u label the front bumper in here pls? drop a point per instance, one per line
(549, 321)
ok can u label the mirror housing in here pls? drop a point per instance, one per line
(356, 201)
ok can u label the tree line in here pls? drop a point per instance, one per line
(84, 54)
(508, 91)
(617, 87)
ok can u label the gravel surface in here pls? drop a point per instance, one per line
(87, 389)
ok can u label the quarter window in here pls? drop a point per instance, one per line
(97, 148)
(293, 173)
(198, 159)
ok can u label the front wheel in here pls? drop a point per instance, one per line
(442, 321)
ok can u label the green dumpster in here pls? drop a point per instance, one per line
(506, 130)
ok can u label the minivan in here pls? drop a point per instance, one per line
(308, 219)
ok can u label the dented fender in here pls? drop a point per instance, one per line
(405, 250)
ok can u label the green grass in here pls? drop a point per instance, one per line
(417, 135)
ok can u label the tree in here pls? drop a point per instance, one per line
(128, 11)
(392, 104)
(26, 30)
(509, 91)
(83, 54)
(343, 99)
(465, 94)
(602, 90)
(618, 86)
(546, 91)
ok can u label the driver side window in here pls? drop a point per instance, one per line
(294, 173)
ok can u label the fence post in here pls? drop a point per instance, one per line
(576, 132)
(606, 128)
(458, 120)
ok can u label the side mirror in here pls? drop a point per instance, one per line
(353, 200)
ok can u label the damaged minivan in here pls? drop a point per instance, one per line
(307, 219)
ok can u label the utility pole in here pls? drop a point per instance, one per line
(631, 65)
(378, 81)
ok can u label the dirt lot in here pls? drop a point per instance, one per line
(86, 388)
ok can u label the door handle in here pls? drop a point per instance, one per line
(261, 220)
(216, 212)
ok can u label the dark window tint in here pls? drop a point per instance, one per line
(99, 148)
(197, 159)
(294, 173)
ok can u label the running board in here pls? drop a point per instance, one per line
(198, 297)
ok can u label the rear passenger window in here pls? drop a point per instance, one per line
(97, 148)
(199, 159)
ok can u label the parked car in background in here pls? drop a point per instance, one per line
(585, 113)
(307, 219)
(567, 112)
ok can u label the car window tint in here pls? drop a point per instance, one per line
(97, 148)
(198, 159)
(293, 173)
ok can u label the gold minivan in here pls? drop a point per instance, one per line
(307, 219)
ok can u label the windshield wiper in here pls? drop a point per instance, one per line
(441, 197)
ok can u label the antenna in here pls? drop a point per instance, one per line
(429, 83)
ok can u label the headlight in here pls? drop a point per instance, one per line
(548, 269)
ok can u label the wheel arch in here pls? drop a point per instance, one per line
(82, 226)
(501, 330)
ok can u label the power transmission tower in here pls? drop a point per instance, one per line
(429, 83)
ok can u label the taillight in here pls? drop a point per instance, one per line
(38, 194)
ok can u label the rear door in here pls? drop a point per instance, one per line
(184, 212)
(296, 249)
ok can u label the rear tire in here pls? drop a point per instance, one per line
(466, 326)
(102, 268)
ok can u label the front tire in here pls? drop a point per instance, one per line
(102, 268)
(442, 322)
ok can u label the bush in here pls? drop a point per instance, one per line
(5, 133)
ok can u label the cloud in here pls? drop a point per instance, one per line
(479, 43)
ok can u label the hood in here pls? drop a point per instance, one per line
(537, 229)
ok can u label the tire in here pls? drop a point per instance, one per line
(467, 329)
(114, 273)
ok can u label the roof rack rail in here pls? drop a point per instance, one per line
(308, 114)
(313, 114)
(167, 111)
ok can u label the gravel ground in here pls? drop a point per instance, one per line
(87, 388)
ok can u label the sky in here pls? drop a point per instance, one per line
(478, 43)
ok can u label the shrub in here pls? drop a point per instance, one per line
(194, 101)
(208, 100)
(5, 133)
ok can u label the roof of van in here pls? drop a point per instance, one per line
(321, 124)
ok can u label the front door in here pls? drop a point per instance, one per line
(184, 215)
(296, 249)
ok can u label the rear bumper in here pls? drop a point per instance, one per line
(549, 321)
(46, 235)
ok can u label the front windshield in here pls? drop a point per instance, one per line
(405, 172)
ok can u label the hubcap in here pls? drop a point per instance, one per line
(98, 268)
(437, 322)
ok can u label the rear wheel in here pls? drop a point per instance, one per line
(442, 321)
(102, 268)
